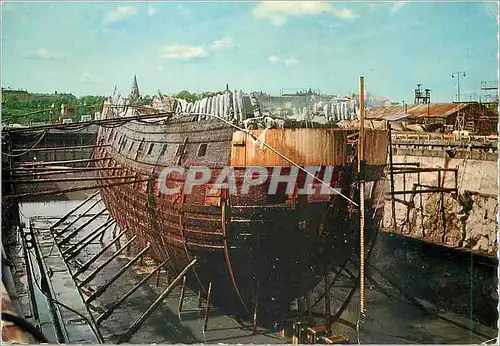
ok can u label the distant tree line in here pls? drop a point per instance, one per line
(17, 108)
(22, 107)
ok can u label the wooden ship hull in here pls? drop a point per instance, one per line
(257, 251)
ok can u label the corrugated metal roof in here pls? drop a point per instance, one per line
(435, 110)
(395, 117)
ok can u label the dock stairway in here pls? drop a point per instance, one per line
(94, 272)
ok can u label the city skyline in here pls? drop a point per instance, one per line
(88, 48)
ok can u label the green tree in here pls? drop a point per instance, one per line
(186, 95)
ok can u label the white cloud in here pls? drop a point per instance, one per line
(290, 61)
(182, 52)
(151, 10)
(160, 68)
(42, 54)
(87, 78)
(274, 59)
(119, 14)
(278, 11)
(397, 6)
(225, 42)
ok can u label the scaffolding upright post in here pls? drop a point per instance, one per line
(181, 297)
(391, 174)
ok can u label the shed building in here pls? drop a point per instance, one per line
(473, 117)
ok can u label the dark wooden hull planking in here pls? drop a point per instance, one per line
(262, 248)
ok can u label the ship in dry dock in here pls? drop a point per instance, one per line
(254, 252)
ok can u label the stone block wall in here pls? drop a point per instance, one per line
(468, 220)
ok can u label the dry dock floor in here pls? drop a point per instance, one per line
(389, 319)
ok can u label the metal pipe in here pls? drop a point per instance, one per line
(65, 217)
(408, 170)
(361, 158)
(423, 191)
(60, 180)
(45, 163)
(101, 267)
(425, 185)
(83, 246)
(76, 231)
(417, 164)
(73, 251)
(108, 312)
(137, 324)
(361, 149)
(63, 148)
(103, 288)
(57, 234)
(87, 264)
(55, 170)
(57, 192)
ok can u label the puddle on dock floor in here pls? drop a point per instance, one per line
(389, 319)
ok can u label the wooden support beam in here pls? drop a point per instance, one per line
(57, 192)
(207, 307)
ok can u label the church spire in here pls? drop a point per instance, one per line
(134, 94)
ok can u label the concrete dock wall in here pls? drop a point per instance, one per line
(68, 145)
(468, 220)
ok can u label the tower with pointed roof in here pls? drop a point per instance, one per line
(134, 94)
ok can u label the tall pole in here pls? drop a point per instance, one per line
(459, 123)
(361, 149)
(458, 74)
(361, 168)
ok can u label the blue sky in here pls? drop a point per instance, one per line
(88, 48)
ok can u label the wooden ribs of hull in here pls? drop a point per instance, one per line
(242, 245)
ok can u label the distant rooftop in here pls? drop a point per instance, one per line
(432, 110)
